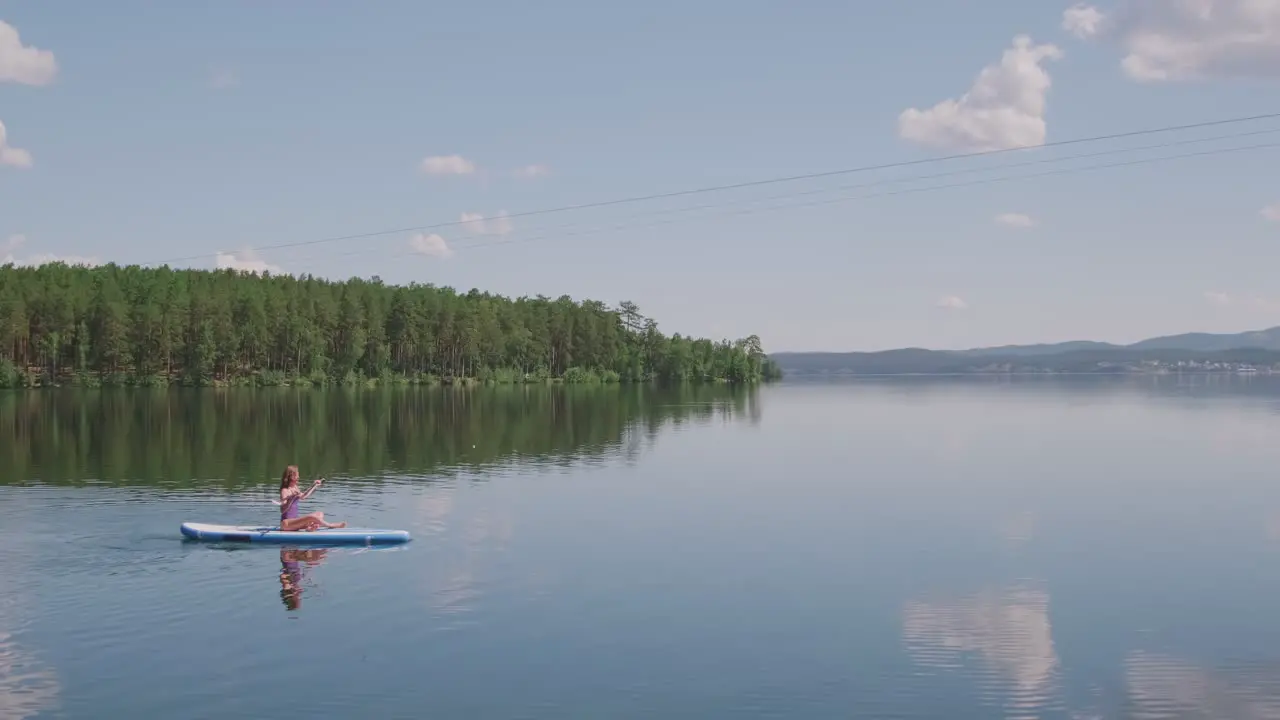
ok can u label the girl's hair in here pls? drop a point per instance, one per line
(290, 475)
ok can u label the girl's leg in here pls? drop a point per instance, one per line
(319, 517)
(293, 524)
(301, 524)
(308, 522)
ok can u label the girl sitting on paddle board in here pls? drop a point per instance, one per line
(290, 496)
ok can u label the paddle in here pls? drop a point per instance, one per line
(314, 486)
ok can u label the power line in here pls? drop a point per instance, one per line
(768, 181)
(931, 188)
(850, 198)
(749, 211)
(949, 173)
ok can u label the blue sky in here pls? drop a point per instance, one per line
(143, 132)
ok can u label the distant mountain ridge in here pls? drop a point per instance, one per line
(1260, 347)
(1268, 339)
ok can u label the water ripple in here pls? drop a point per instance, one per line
(1168, 688)
(1007, 631)
(27, 687)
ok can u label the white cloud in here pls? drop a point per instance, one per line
(223, 79)
(1083, 21)
(28, 65)
(1016, 220)
(11, 244)
(45, 258)
(952, 302)
(531, 171)
(245, 259)
(430, 245)
(499, 225)
(1272, 212)
(477, 224)
(1003, 109)
(1181, 40)
(448, 165)
(12, 156)
(1242, 302)
(8, 255)
(472, 223)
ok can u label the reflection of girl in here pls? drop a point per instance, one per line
(291, 574)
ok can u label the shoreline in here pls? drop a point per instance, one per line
(794, 376)
(583, 379)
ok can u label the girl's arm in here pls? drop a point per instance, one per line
(310, 490)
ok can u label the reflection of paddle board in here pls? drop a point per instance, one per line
(273, 534)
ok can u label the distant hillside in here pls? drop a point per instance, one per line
(1268, 339)
(1190, 351)
(1044, 349)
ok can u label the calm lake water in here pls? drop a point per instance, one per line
(925, 548)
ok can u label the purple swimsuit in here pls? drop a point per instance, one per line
(290, 509)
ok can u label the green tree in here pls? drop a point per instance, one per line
(109, 329)
(113, 323)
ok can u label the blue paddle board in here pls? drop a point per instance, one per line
(273, 534)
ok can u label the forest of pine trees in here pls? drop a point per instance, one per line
(63, 324)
